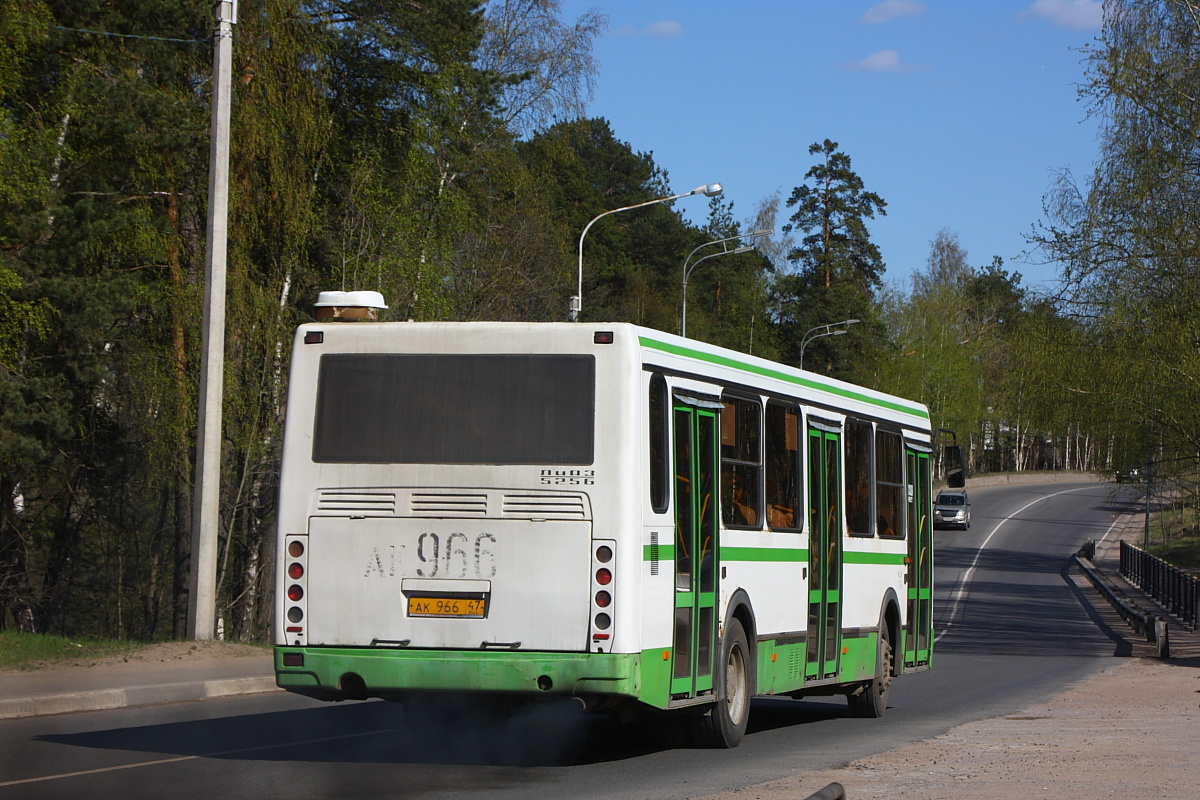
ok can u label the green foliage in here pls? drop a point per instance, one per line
(20, 650)
(1175, 535)
(838, 266)
(1009, 373)
(1129, 236)
(728, 291)
(370, 150)
(630, 260)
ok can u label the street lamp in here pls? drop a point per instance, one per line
(576, 305)
(725, 251)
(823, 330)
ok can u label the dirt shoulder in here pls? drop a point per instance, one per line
(153, 653)
(1131, 731)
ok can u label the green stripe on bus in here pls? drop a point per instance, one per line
(763, 554)
(766, 372)
(886, 559)
(894, 559)
(667, 553)
(787, 555)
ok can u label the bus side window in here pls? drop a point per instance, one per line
(889, 484)
(659, 463)
(741, 463)
(783, 464)
(858, 478)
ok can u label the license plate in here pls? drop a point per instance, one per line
(468, 607)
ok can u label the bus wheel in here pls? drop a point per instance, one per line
(870, 700)
(724, 724)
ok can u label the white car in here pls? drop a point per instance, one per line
(952, 509)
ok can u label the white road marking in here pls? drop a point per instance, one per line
(158, 761)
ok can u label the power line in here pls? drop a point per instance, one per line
(114, 35)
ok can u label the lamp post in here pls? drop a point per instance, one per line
(576, 305)
(725, 251)
(823, 330)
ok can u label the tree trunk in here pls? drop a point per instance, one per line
(16, 593)
(182, 483)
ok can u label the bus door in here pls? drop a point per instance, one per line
(824, 552)
(920, 559)
(695, 550)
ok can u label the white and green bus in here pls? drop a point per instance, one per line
(510, 511)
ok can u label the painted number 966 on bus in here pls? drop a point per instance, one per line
(453, 555)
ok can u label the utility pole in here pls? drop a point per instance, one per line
(202, 600)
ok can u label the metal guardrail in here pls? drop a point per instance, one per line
(1178, 591)
(1148, 625)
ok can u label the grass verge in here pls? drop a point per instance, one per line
(1175, 535)
(1183, 551)
(34, 650)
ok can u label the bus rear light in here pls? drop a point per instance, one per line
(293, 629)
(314, 337)
(603, 583)
(293, 659)
(294, 577)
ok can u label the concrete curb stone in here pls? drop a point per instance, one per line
(152, 694)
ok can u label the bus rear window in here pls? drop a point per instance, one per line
(455, 409)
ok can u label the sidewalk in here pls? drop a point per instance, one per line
(133, 683)
(1184, 643)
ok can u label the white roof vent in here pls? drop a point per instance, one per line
(348, 306)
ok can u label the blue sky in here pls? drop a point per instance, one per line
(955, 112)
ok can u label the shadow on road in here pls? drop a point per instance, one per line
(376, 732)
(1018, 603)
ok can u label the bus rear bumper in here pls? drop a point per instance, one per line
(347, 673)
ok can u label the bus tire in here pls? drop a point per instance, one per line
(870, 700)
(724, 725)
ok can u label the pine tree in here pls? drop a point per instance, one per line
(838, 267)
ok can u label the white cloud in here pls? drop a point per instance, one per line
(1079, 15)
(889, 10)
(885, 61)
(667, 29)
(664, 29)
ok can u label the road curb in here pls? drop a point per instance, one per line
(155, 694)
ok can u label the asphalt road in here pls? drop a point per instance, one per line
(1011, 631)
